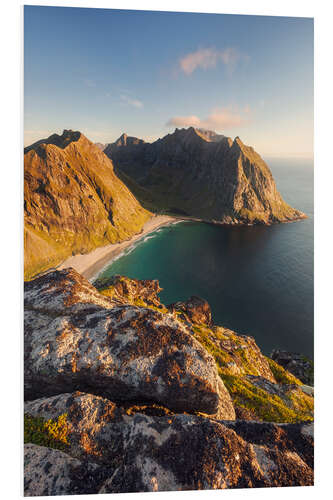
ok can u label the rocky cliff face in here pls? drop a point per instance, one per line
(202, 174)
(73, 201)
(125, 394)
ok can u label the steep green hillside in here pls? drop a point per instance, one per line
(73, 201)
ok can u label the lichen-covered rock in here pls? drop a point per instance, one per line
(49, 472)
(62, 293)
(76, 339)
(297, 364)
(88, 420)
(179, 452)
(195, 309)
(185, 452)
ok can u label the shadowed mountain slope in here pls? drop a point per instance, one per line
(201, 174)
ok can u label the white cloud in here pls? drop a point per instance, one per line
(208, 58)
(185, 121)
(219, 119)
(131, 102)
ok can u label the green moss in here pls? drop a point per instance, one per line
(268, 407)
(281, 375)
(221, 357)
(49, 433)
(301, 401)
(295, 407)
(107, 292)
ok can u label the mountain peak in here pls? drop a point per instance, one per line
(62, 141)
(176, 170)
(206, 135)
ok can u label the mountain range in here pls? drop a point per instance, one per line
(199, 173)
(79, 195)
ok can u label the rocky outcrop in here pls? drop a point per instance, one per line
(201, 174)
(78, 339)
(73, 201)
(130, 291)
(138, 452)
(126, 395)
(195, 310)
(297, 364)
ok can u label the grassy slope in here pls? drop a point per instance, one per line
(74, 203)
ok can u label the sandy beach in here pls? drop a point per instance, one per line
(92, 263)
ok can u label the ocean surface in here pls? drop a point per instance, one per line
(258, 280)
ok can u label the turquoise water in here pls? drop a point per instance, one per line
(258, 280)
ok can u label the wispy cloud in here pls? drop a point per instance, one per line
(208, 58)
(218, 120)
(131, 102)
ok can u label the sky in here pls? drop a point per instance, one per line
(105, 72)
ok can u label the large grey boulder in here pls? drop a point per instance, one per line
(139, 452)
(77, 339)
(49, 472)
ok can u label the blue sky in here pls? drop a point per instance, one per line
(105, 72)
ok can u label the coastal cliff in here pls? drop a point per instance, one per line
(73, 201)
(124, 393)
(201, 174)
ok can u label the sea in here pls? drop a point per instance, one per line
(258, 280)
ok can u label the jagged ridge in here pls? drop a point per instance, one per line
(202, 174)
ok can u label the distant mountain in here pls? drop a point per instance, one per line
(125, 140)
(100, 145)
(73, 201)
(202, 174)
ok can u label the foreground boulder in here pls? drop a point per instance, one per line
(77, 339)
(49, 472)
(129, 452)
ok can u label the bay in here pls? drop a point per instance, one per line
(258, 280)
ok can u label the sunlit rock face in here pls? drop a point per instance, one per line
(73, 201)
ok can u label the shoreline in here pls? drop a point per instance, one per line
(93, 262)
